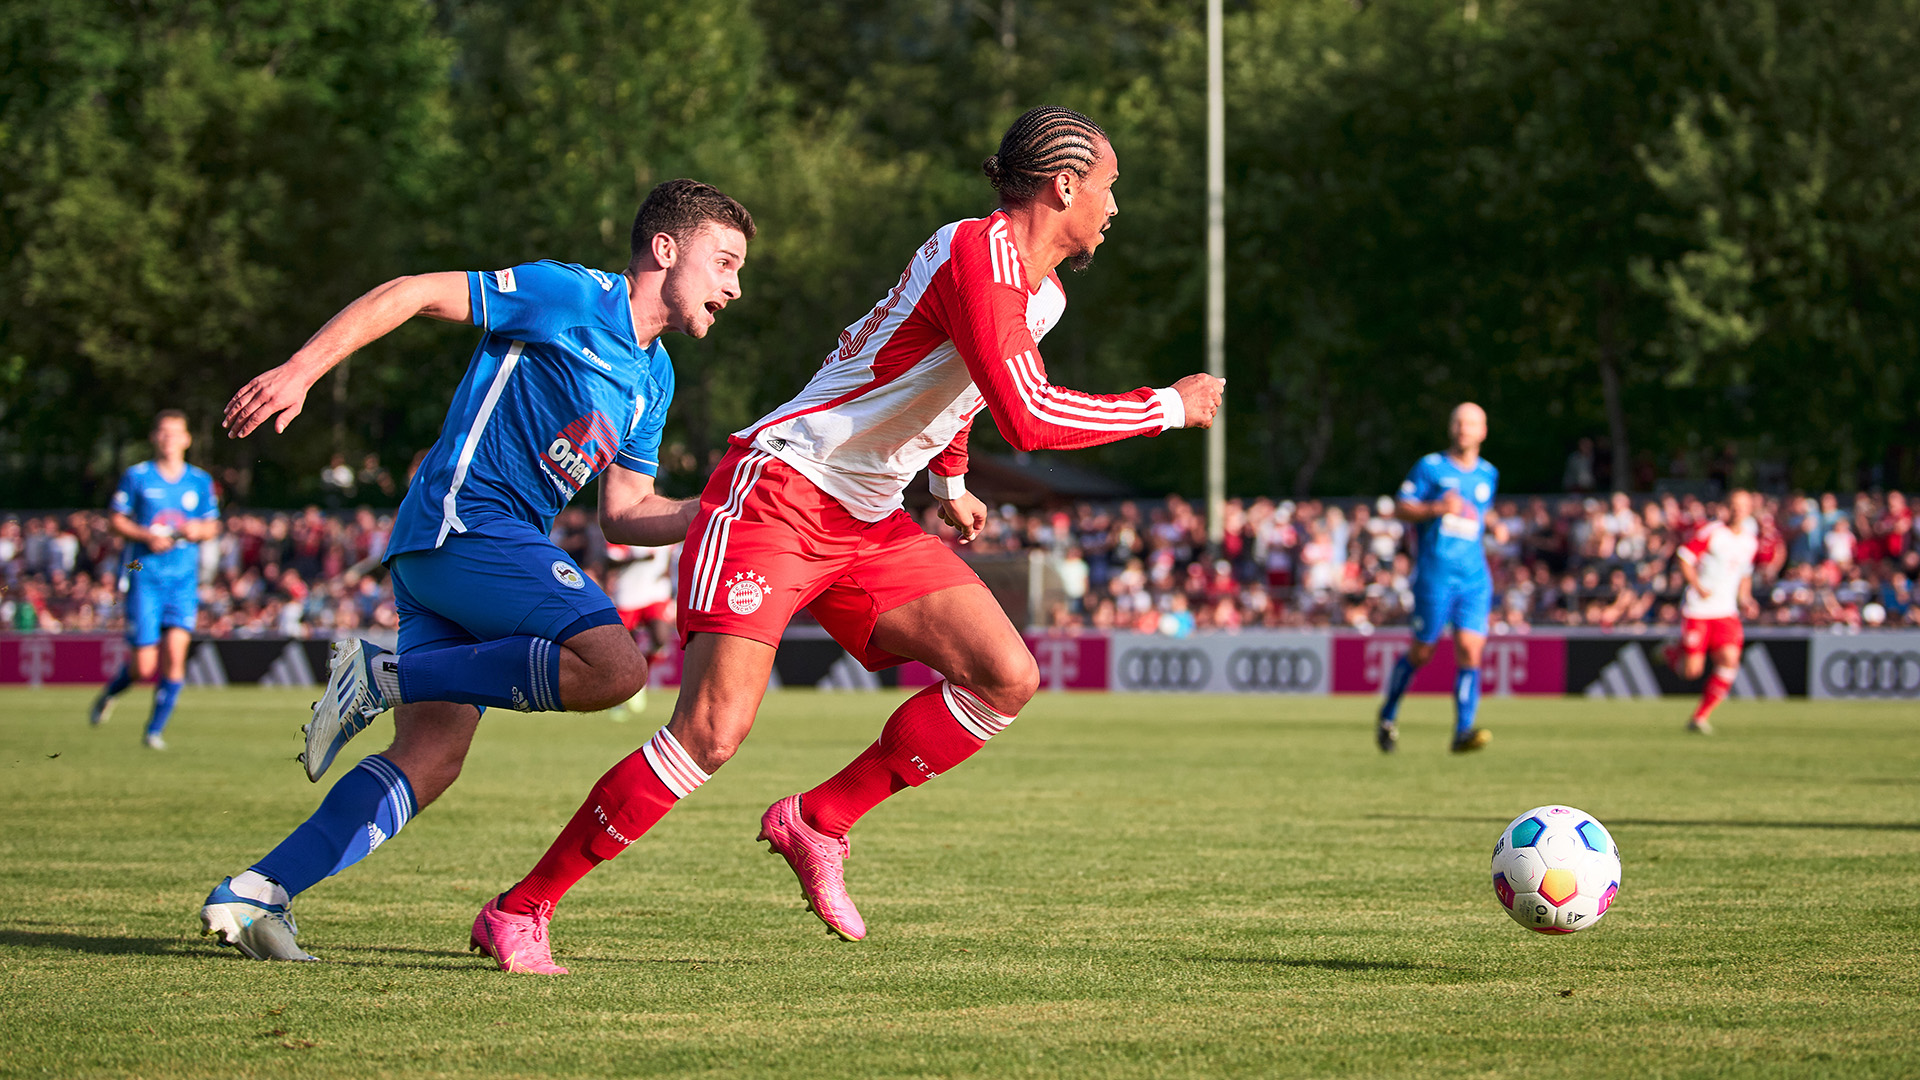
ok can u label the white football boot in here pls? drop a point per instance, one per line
(260, 929)
(351, 702)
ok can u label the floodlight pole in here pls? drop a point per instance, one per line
(1216, 269)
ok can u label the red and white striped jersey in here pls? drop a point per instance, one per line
(1721, 557)
(959, 333)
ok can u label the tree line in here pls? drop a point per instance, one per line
(1685, 232)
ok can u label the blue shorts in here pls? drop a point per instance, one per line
(507, 581)
(1464, 605)
(156, 603)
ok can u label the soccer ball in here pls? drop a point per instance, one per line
(1556, 869)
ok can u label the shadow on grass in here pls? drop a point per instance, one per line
(1666, 823)
(1323, 965)
(101, 945)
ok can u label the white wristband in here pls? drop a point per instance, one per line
(1176, 409)
(947, 487)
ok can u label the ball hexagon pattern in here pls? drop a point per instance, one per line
(1556, 870)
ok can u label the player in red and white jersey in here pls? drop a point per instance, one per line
(640, 583)
(805, 512)
(1717, 562)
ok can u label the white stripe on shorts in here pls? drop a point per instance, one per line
(713, 542)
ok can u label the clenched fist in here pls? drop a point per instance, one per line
(1201, 395)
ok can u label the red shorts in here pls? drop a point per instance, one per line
(635, 618)
(768, 543)
(1701, 635)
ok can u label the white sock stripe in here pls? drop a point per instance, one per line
(398, 793)
(672, 748)
(980, 720)
(671, 763)
(1727, 673)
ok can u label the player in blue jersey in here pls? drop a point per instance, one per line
(569, 381)
(1448, 496)
(163, 508)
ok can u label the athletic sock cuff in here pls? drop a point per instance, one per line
(673, 765)
(399, 790)
(981, 720)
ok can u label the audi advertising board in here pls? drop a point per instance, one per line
(1517, 664)
(1251, 662)
(1884, 664)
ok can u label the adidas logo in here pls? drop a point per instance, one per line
(1630, 675)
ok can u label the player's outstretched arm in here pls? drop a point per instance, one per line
(279, 394)
(631, 512)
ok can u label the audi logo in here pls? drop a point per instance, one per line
(1282, 670)
(1872, 674)
(1164, 669)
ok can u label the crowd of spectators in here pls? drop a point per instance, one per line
(1567, 562)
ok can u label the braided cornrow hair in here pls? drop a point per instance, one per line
(1037, 147)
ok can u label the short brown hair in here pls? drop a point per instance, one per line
(679, 207)
(165, 415)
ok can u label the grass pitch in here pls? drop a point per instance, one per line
(1119, 886)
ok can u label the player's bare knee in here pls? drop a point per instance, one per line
(1007, 680)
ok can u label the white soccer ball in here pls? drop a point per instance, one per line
(1556, 869)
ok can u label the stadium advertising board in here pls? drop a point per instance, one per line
(1250, 662)
(1067, 662)
(1885, 665)
(1518, 664)
(1628, 665)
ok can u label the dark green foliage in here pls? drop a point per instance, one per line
(1674, 227)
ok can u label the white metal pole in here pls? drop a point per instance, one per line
(1216, 267)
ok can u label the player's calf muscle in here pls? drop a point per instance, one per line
(600, 668)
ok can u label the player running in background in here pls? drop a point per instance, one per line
(805, 512)
(640, 580)
(1717, 562)
(569, 380)
(163, 508)
(1448, 496)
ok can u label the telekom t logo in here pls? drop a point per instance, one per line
(36, 659)
(1059, 661)
(1379, 660)
(1503, 666)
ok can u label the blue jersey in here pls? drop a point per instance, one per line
(154, 502)
(558, 390)
(1450, 545)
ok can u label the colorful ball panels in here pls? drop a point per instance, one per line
(1556, 870)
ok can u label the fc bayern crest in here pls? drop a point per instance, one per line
(745, 592)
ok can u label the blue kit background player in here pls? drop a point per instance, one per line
(163, 508)
(569, 382)
(1448, 496)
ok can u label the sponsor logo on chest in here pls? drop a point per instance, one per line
(580, 451)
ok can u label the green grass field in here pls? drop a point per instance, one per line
(1119, 886)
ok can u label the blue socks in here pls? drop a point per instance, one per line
(120, 682)
(164, 695)
(366, 807)
(512, 673)
(1466, 700)
(1397, 687)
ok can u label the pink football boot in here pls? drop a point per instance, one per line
(815, 858)
(516, 942)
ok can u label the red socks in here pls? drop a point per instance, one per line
(930, 732)
(1719, 684)
(622, 806)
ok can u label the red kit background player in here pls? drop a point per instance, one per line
(1718, 565)
(805, 512)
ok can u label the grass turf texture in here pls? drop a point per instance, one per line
(1119, 886)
